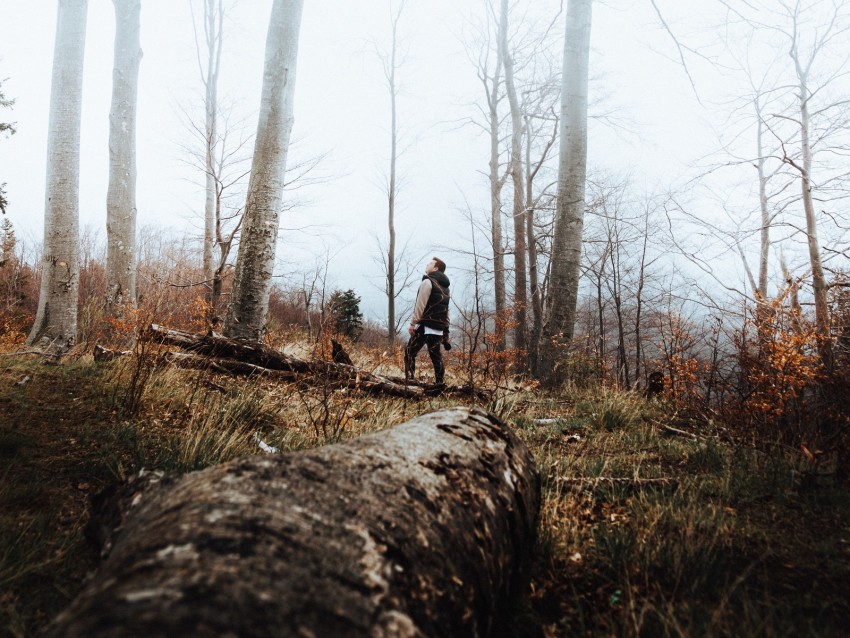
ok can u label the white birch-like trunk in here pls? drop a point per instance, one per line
(496, 183)
(520, 273)
(531, 241)
(213, 37)
(764, 234)
(391, 187)
(121, 194)
(819, 285)
(246, 315)
(55, 324)
(572, 174)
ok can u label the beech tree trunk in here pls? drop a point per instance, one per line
(497, 181)
(819, 284)
(760, 293)
(121, 195)
(572, 174)
(213, 21)
(246, 315)
(390, 68)
(520, 272)
(421, 530)
(55, 326)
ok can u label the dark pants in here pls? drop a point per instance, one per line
(415, 344)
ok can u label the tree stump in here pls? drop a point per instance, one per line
(423, 529)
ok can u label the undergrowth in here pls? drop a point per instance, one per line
(643, 532)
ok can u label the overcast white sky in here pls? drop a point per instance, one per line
(341, 109)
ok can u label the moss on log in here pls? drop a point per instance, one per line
(420, 530)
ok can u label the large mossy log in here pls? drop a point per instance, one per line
(420, 530)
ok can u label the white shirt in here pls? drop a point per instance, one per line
(429, 331)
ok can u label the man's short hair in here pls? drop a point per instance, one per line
(441, 265)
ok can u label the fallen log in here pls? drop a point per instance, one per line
(216, 346)
(195, 362)
(421, 530)
(465, 390)
(222, 349)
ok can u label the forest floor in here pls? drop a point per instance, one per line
(641, 533)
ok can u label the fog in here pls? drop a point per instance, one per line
(659, 124)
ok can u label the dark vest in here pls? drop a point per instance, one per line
(436, 313)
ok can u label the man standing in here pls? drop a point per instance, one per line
(430, 321)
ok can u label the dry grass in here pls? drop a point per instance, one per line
(641, 533)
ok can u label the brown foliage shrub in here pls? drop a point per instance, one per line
(779, 375)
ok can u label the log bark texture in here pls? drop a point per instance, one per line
(421, 530)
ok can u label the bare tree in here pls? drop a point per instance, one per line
(760, 288)
(639, 294)
(246, 315)
(121, 194)
(802, 120)
(541, 121)
(572, 172)
(516, 172)
(482, 48)
(213, 23)
(803, 61)
(55, 324)
(391, 65)
(229, 167)
(595, 270)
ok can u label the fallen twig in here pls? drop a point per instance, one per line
(677, 432)
(663, 481)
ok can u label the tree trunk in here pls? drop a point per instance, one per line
(600, 319)
(213, 37)
(792, 292)
(496, 183)
(572, 173)
(819, 285)
(421, 530)
(520, 272)
(246, 315)
(391, 188)
(55, 326)
(531, 170)
(615, 288)
(121, 194)
(639, 298)
(531, 240)
(764, 234)
(763, 309)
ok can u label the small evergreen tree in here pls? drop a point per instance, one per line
(14, 283)
(8, 241)
(345, 314)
